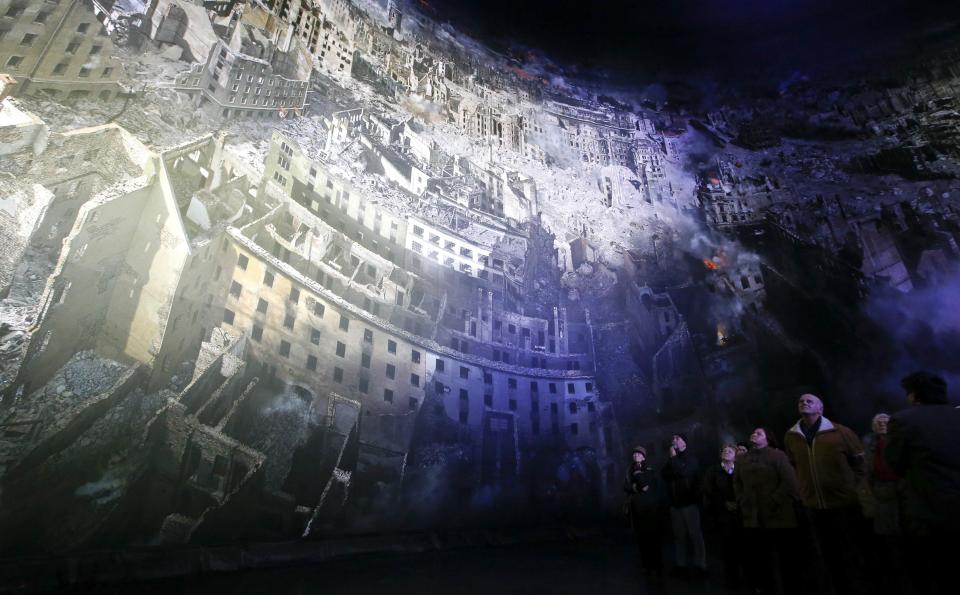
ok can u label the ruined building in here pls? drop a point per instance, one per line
(335, 297)
(731, 199)
(58, 48)
(238, 85)
(146, 211)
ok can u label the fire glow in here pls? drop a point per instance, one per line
(722, 337)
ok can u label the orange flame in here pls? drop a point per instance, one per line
(710, 264)
(721, 334)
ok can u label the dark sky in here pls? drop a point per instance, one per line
(690, 35)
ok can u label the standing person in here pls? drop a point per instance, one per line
(742, 447)
(681, 474)
(645, 510)
(720, 508)
(766, 489)
(923, 447)
(880, 497)
(828, 459)
(881, 503)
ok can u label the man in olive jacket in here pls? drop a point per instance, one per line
(829, 458)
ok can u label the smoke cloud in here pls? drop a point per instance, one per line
(919, 331)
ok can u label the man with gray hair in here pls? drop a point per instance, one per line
(829, 460)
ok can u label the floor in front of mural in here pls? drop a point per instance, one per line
(606, 567)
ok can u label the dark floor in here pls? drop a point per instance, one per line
(599, 566)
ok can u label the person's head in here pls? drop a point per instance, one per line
(879, 423)
(679, 442)
(762, 438)
(728, 452)
(810, 405)
(639, 455)
(924, 388)
(742, 447)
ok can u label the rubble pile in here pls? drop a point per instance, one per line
(86, 375)
(279, 428)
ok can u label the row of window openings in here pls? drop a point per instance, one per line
(363, 384)
(315, 334)
(236, 89)
(236, 290)
(388, 394)
(534, 425)
(262, 305)
(451, 247)
(440, 365)
(512, 404)
(537, 362)
(266, 102)
(61, 68)
(298, 85)
(572, 407)
(15, 10)
(28, 39)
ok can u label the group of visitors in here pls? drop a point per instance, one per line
(827, 512)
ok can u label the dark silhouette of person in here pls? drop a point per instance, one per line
(766, 488)
(645, 510)
(682, 476)
(923, 448)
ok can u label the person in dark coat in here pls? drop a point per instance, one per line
(645, 510)
(682, 477)
(720, 510)
(923, 448)
(766, 490)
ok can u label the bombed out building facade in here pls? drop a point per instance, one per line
(286, 270)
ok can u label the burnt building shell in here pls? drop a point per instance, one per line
(58, 49)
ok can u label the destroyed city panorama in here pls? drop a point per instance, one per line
(284, 269)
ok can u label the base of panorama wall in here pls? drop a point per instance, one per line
(111, 567)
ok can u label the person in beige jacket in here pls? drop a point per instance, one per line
(829, 461)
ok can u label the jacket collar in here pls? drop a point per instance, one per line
(825, 425)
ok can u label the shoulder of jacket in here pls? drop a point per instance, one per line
(792, 437)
